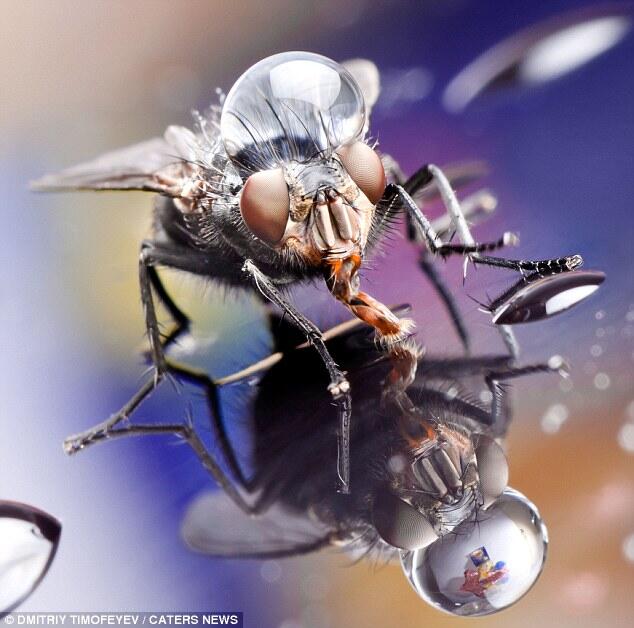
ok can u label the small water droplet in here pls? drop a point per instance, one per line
(566, 385)
(554, 417)
(628, 548)
(602, 381)
(596, 351)
(626, 437)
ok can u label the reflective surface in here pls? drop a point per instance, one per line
(28, 543)
(537, 298)
(487, 565)
(291, 106)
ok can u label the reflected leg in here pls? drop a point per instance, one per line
(339, 386)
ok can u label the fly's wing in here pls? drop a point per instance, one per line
(160, 165)
(367, 76)
(214, 525)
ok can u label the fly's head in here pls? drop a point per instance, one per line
(293, 126)
(439, 484)
(321, 210)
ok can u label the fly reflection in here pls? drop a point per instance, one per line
(429, 470)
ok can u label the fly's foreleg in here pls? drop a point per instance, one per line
(339, 386)
(435, 244)
(474, 250)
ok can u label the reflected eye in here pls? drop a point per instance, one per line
(399, 524)
(365, 168)
(265, 205)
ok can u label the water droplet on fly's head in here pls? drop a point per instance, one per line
(292, 106)
(485, 566)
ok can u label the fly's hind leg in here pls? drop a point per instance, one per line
(495, 381)
(339, 386)
(149, 257)
(181, 320)
(118, 424)
(120, 427)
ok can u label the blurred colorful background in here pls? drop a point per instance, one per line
(80, 78)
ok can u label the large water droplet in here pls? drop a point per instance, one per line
(481, 568)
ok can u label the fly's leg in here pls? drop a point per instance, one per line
(103, 430)
(469, 245)
(146, 261)
(430, 270)
(539, 267)
(433, 241)
(495, 383)
(480, 203)
(147, 277)
(118, 426)
(185, 431)
(181, 320)
(339, 386)
(210, 391)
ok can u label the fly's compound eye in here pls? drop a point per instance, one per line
(493, 469)
(400, 524)
(365, 168)
(265, 205)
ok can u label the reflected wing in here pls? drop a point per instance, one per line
(214, 525)
(157, 165)
(366, 74)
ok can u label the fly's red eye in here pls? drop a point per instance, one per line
(265, 205)
(365, 168)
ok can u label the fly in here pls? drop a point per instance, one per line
(280, 184)
(431, 475)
